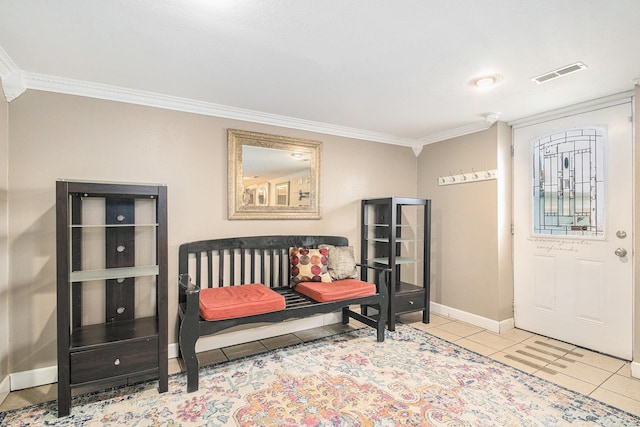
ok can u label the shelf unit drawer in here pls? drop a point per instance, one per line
(412, 301)
(120, 358)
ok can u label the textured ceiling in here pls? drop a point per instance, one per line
(400, 70)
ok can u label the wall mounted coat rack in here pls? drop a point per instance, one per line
(464, 178)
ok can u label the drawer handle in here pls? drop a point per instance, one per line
(410, 302)
(116, 362)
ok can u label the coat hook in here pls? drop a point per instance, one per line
(453, 178)
(464, 177)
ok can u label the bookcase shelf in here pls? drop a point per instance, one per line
(113, 273)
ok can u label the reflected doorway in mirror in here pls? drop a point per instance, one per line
(282, 194)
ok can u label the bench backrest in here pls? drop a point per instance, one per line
(240, 260)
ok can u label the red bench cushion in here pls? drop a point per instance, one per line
(239, 301)
(335, 291)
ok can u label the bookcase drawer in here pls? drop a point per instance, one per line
(114, 359)
(412, 301)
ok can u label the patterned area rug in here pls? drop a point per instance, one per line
(411, 379)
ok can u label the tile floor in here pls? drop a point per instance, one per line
(602, 377)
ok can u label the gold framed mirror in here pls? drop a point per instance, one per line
(273, 177)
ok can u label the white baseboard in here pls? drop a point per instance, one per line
(635, 369)
(49, 375)
(34, 377)
(5, 388)
(473, 319)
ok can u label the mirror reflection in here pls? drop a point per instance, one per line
(273, 177)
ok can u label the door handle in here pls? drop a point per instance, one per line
(621, 252)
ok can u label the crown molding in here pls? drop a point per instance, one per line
(15, 82)
(489, 120)
(572, 110)
(152, 99)
(454, 133)
(417, 149)
(11, 77)
(7, 66)
(13, 85)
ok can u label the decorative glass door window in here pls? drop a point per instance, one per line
(568, 183)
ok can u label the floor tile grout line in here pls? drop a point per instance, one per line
(604, 388)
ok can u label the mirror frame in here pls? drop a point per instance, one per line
(236, 139)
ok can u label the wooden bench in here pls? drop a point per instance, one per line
(265, 260)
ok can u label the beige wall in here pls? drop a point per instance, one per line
(4, 259)
(469, 245)
(60, 136)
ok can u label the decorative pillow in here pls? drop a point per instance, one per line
(342, 263)
(308, 265)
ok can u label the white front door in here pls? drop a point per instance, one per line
(573, 215)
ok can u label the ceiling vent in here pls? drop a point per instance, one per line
(559, 72)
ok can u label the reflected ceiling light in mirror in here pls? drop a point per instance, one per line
(302, 157)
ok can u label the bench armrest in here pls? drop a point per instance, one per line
(186, 285)
(189, 301)
(382, 274)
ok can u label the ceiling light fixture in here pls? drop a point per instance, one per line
(486, 81)
(297, 156)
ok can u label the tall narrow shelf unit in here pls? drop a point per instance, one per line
(107, 253)
(396, 233)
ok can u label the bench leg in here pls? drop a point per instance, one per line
(188, 338)
(364, 309)
(382, 319)
(382, 326)
(345, 315)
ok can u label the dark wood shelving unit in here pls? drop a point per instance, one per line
(396, 233)
(122, 348)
